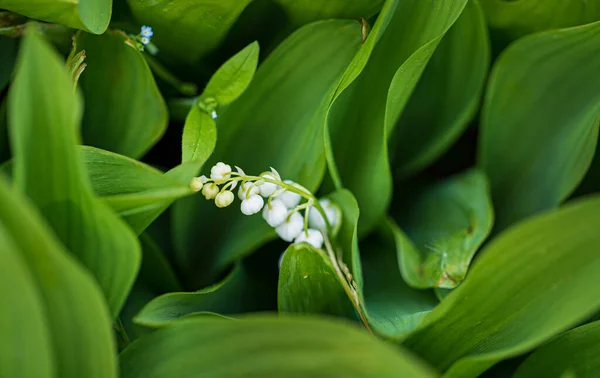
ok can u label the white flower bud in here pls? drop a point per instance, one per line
(268, 188)
(291, 228)
(224, 199)
(290, 199)
(252, 205)
(220, 171)
(210, 190)
(276, 213)
(196, 184)
(244, 188)
(316, 220)
(314, 238)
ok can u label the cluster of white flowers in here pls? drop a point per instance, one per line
(281, 202)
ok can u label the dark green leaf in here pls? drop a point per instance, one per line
(533, 281)
(265, 346)
(124, 111)
(575, 352)
(8, 51)
(188, 30)
(302, 12)
(446, 97)
(513, 19)
(277, 122)
(90, 15)
(234, 76)
(539, 124)
(44, 113)
(308, 284)
(442, 226)
(74, 311)
(367, 111)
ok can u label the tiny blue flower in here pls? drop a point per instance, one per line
(145, 40)
(147, 31)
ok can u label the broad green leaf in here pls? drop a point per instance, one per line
(25, 345)
(539, 124)
(44, 113)
(591, 181)
(156, 272)
(278, 121)
(239, 292)
(266, 346)
(308, 284)
(302, 12)
(74, 310)
(4, 146)
(441, 227)
(446, 97)
(576, 352)
(391, 307)
(8, 51)
(513, 19)
(234, 76)
(188, 30)
(124, 111)
(198, 143)
(367, 111)
(532, 282)
(394, 309)
(89, 15)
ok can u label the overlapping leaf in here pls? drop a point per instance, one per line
(441, 228)
(575, 352)
(446, 97)
(265, 346)
(8, 50)
(74, 316)
(90, 15)
(188, 30)
(124, 111)
(364, 115)
(543, 268)
(277, 122)
(539, 124)
(305, 11)
(44, 113)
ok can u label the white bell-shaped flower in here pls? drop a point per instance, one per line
(220, 171)
(224, 199)
(196, 184)
(316, 220)
(311, 236)
(244, 189)
(210, 190)
(268, 188)
(290, 199)
(291, 227)
(252, 205)
(275, 213)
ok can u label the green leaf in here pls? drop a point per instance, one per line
(302, 12)
(44, 112)
(533, 281)
(188, 30)
(513, 19)
(367, 111)
(8, 50)
(456, 74)
(539, 124)
(234, 76)
(289, 347)
(124, 111)
(237, 293)
(74, 311)
(89, 15)
(277, 122)
(393, 308)
(575, 352)
(441, 227)
(308, 284)
(26, 349)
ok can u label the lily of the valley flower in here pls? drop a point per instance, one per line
(267, 189)
(224, 199)
(220, 172)
(252, 204)
(291, 227)
(316, 220)
(210, 190)
(243, 190)
(275, 213)
(310, 236)
(290, 199)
